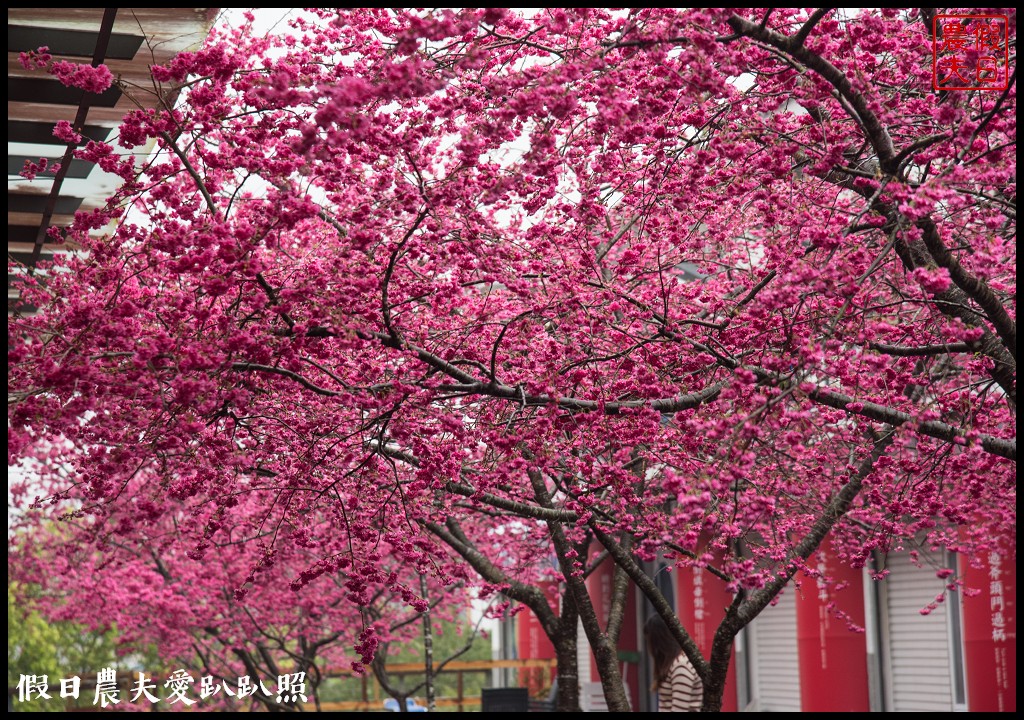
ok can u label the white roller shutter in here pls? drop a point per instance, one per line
(775, 681)
(591, 695)
(919, 645)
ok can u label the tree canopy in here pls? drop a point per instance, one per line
(722, 284)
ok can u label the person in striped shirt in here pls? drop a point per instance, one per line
(677, 683)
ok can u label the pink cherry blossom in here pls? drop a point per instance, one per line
(451, 293)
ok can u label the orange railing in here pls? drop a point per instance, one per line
(373, 695)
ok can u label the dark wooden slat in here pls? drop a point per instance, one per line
(76, 43)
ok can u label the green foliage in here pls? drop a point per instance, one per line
(448, 640)
(54, 649)
(31, 650)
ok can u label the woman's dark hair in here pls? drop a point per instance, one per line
(662, 647)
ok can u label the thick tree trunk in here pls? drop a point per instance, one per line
(605, 651)
(567, 698)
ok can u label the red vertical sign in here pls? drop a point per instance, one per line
(990, 634)
(703, 599)
(833, 658)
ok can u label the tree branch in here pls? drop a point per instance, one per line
(758, 600)
(923, 350)
(453, 536)
(808, 26)
(650, 590)
(389, 271)
(255, 367)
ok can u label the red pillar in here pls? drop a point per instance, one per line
(833, 658)
(535, 644)
(990, 634)
(703, 600)
(599, 587)
(629, 648)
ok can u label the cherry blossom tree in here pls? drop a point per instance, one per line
(726, 284)
(145, 580)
